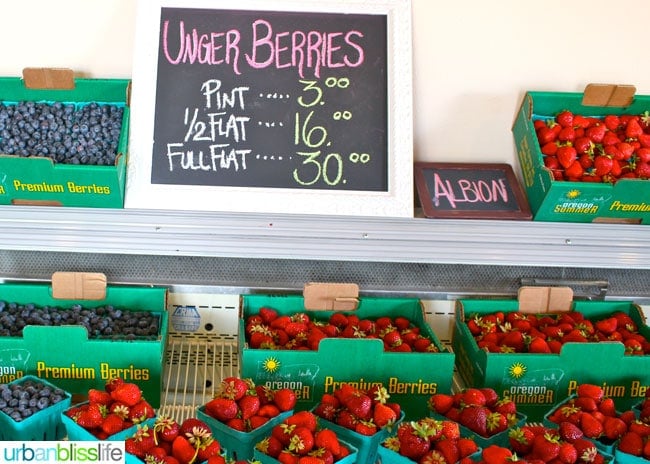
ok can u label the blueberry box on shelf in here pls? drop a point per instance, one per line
(45, 424)
(65, 354)
(536, 382)
(38, 180)
(410, 378)
(239, 445)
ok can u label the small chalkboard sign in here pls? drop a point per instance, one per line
(282, 106)
(470, 191)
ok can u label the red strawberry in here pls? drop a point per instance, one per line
(413, 440)
(183, 450)
(113, 383)
(496, 423)
(326, 438)
(633, 129)
(232, 388)
(473, 396)
(538, 345)
(99, 396)
(208, 448)
(591, 427)
(448, 449)
(546, 446)
(475, 419)
(466, 447)
(285, 399)
(614, 428)
(358, 404)
(521, 440)
(383, 415)
(591, 391)
(495, 454)
(165, 429)
(141, 411)
(268, 410)
(631, 443)
(570, 432)
(305, 419)
(564, 118)
(567, 453)
(302, 441)
(440, 403)
(222, 409)
(249, 405)
(566, 155)
(128, 393)
(267, 314)
(112, 424)
(194, 426)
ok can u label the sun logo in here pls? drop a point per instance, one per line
(517, 370)
(571, 194)
(271, 365)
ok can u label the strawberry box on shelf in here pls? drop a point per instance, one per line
(75, 332)
(343, 357)
(538, 380)
(581, 158)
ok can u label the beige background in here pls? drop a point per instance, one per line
(473, 59)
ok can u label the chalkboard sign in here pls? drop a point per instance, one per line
(470, 190)
(272, 106)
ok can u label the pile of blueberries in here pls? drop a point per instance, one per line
(67, 133)
(105, 322)
(20, 400)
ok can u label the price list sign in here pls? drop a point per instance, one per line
(272, 99)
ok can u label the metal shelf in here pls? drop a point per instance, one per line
(275, 236)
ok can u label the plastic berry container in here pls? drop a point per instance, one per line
(239, 445)
(43, 425)
(75, 432)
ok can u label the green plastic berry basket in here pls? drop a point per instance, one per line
(75, 432)
(625, 458)
(239, 445)
(499, 439)
(388, 456)
(45, 425)
(367, 446)
(603, 444)
(352, 458)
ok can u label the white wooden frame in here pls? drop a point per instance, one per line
(397, 202)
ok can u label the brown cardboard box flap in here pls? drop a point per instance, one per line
(608, 95)
(78, 286)
(329, 296)
(545, 299)
(48, 78)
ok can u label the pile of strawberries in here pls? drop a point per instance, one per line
(430, 441)
(244, 406)
(269, 330)
(591, 415)
(591, 149)
(168, 442)
(479, 409)
(519, 332)
(364, 411)
(636, 440)
(300, 440)
(537, 444)
(119, 406)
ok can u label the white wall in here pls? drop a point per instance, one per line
(473, 59)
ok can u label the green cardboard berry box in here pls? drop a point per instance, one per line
(40, 181)
(410, 378)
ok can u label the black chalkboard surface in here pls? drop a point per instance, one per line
(470, 190)
(270, 99)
